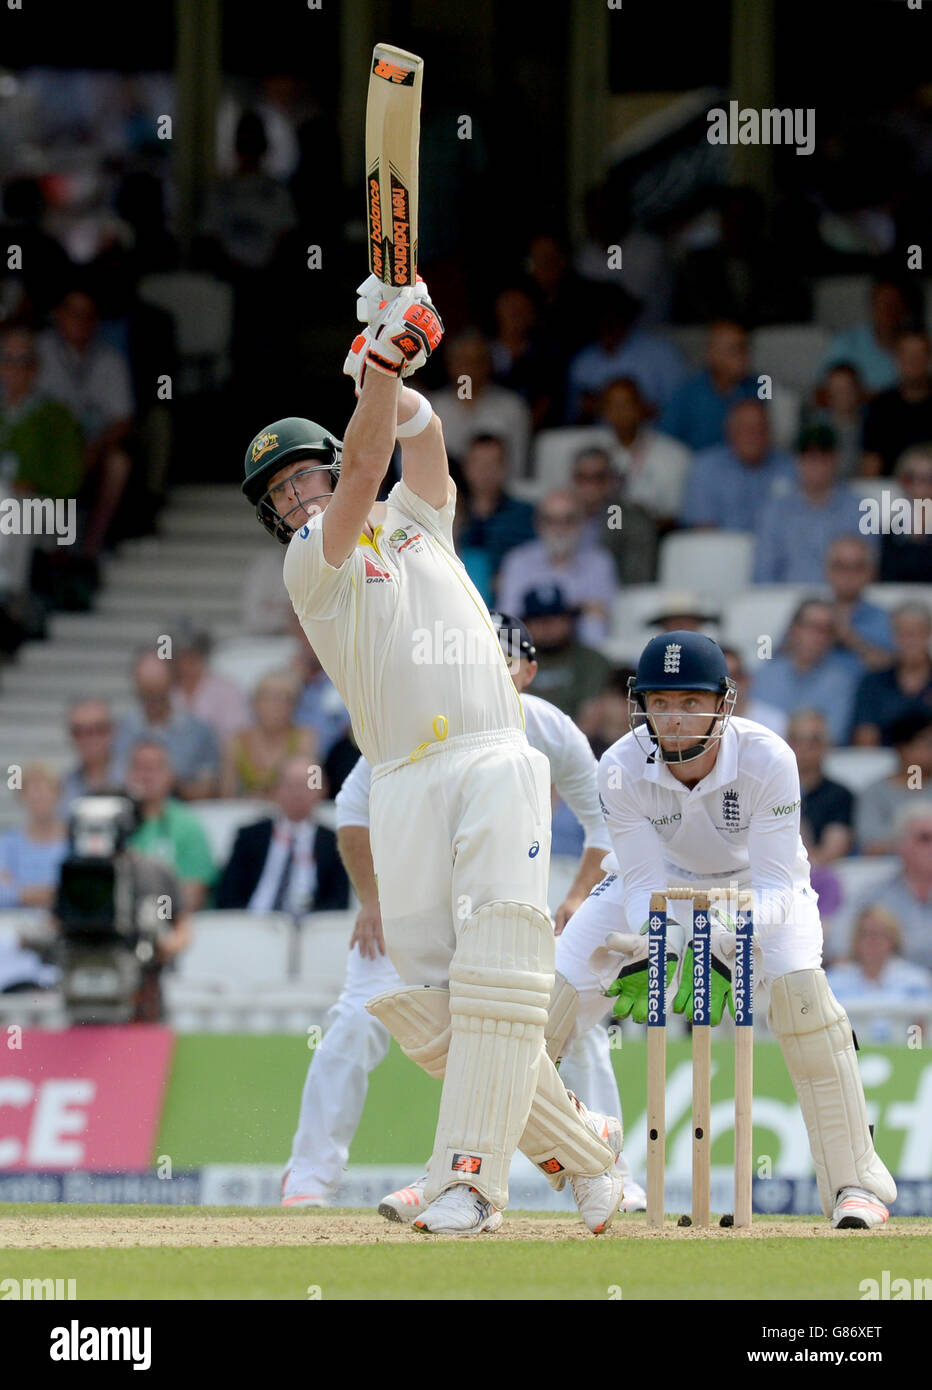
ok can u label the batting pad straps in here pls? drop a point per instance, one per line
(557, 1136)
(501, 978)
(419, 420)
(418, 1018)
(815, 1038)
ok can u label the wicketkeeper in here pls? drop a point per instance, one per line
(693, 795)
(460, 803)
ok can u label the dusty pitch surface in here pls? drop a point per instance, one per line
(330, 1228)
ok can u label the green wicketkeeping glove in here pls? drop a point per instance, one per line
(722, 950)
(627, 985)
(630, 989)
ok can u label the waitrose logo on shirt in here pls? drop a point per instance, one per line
(786, 810)
(666, 820)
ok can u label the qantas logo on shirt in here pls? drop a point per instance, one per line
(374, 575)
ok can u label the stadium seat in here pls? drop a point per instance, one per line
(201, 308)
(630, 631)
(841, 301)
(222, 819)
(237, 952)
(857, 876)
(322, 949)
(790, 353)
(784, 415)
(890, 596)
(554, 451)
(869, 487)
(246, 660)
(762, 611)
(858, 768)
(714, 564)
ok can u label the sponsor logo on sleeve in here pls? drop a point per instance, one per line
(786, 810)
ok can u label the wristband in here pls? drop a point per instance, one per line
(418, 422)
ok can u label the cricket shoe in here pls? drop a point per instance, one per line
(459, 1211)
(599, 1197)
(607, 1128)
(635, 1198)
(858, 1210)
(406, 1204)
(301, 1199)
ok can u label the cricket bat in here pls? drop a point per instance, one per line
(393, 123)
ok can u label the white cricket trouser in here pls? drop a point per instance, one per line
(778, 950)
(338, 1078)
(465, 825)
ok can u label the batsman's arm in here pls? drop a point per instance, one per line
(424, 464)
(367, 449)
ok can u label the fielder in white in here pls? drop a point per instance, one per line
(460, 803)
(694, 796)
(355, 1042)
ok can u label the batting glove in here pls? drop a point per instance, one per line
(722, 950)
(373, 295)
(404, 334)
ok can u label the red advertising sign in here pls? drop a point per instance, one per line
(82, 1098)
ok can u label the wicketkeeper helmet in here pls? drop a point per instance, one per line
(680, 661)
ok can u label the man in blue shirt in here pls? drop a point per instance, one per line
(869, 346)
(863, 631)
(808, 674)
(804, 515)
(729, 484)
(621, 349)
(698, 409)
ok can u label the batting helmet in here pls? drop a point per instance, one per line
(288, 441)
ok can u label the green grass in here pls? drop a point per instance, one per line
(772, 1267)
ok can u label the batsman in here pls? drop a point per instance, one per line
(460, 802)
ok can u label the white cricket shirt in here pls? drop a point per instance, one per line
(739, 823)
(402, 631)
(572, 770)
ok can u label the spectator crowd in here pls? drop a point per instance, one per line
(584, 437)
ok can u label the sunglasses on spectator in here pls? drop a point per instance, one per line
(591, 475)
(89, 730)
(564, 519)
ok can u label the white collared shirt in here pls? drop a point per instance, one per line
(739, 824)
(303, 881)
(402, 631)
